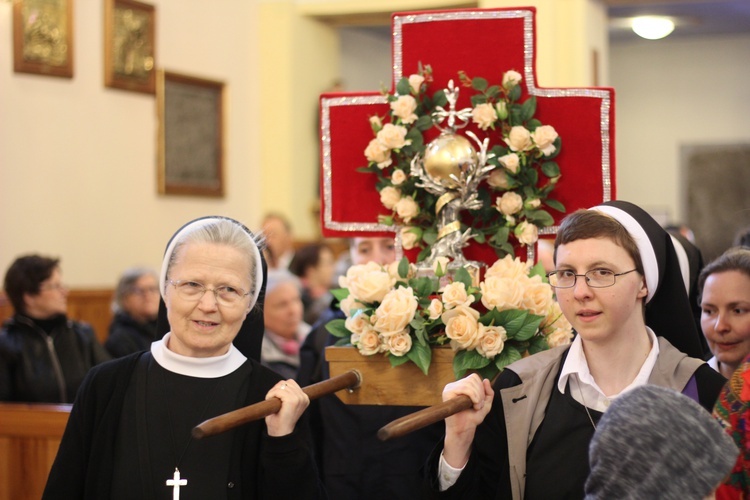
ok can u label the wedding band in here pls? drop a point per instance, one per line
(283, 386)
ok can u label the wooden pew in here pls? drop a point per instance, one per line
(30, 435)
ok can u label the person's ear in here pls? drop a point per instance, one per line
(643, 292)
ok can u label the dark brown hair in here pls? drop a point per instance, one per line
(25, 275)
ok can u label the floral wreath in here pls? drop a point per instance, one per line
(521, 149)
(391, 311)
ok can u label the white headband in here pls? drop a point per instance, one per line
(642, 241)
(200, 223)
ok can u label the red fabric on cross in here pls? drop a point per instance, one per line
(480, 47)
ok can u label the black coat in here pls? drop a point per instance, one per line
(127, 336)
(37, 367)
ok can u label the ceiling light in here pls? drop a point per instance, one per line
(652, 27)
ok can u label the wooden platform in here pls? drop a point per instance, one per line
(383, 384)
(30, 435)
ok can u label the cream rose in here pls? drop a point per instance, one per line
(555, 318)
(389, 196)
(510, 162)
(415, 82)
(350, 305)
(406, 208)
(511, 79)
(454, 295)
(369, 342)
(491, 340)
(393, 136)
(509, 267)
(435, 309)
(396, 311)
(509, 203)
(560, 336)
(544, 137)
(408, 238)
(376, 122)
(538, 296)
(534, 203)
(498, 179)
(484, 115)
(527, 233)
(442, 263)
(393, 271)
(398, 177)
(399, 344)
(377, 153)
(519, 139)
(502, 110)
(404, 107)
(367, 283)
(501, 293)
(462, 327)
(357, 323)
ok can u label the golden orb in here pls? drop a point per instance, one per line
(446, 155)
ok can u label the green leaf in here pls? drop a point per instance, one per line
(538, 270)
(421, 355)
(508, 355)
(364, 170)
(479, 83)
(424, 122)
(479, 238)
(423, 254)
(489, 372)
(397, 360)
(501, 236)
(403, 87)
(430, 236)
(340, 293)
(540, 217)
(422, 287)
(342, 342)
(492, 91)
(515, 93)
(336, 328)
(530, 327)
(439, 99)
(533, 124)
(528, 108)
(555, 205)
(537, 344)
(403, 267)
(463, 276)
(468, 360)
(550, 169)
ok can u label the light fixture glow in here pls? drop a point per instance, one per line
(652, 27)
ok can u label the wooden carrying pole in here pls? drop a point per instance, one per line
(423, 418)
(228, 421)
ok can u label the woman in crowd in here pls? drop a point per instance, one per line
(314, 265)
(44, 355)
(136, 307)
(284, 329)
(725, 309)
(528, 436)
(129, 433)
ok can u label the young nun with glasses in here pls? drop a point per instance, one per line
(618, 282)
(129, 433)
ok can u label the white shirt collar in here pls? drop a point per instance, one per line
(576, 371)
(213, 367)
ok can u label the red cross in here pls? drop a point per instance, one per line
(480, 42)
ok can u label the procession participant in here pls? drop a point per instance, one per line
(724, 290)
(129, 433)
(528, 436)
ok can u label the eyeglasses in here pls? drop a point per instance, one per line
(142, 292)
(596, 278)
(225, 295)
(54, 286)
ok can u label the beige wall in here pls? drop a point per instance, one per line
(77, 160)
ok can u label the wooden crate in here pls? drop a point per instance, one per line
(383, 384)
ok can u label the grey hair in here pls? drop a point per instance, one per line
(126, 284)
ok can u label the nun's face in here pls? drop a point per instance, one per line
(202, 328)
(725, 317)
(600, 314)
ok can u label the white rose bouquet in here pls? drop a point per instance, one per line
(390, 311)
(522, 150)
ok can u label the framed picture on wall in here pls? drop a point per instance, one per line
(129, 45)
(190, 137)
(43, 37)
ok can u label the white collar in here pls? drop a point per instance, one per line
(213, 367)
(576, 370)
